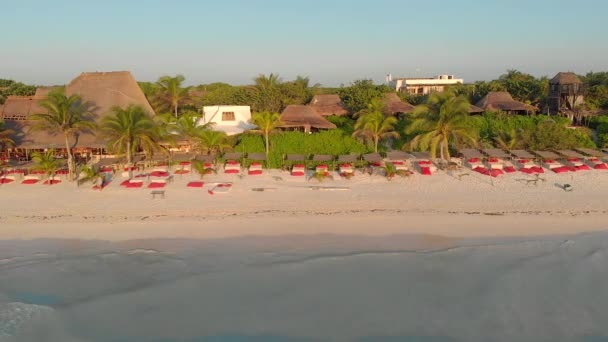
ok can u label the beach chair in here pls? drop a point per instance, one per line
(220, 188)
(195, 184)
(183, 163)
(524, 162)
(133, 183)
(256, 166)
(424, 163)
(549, 161)
(233, 163)
(593, 158)
(473, 159)
(322, 163)
(401, 160)
(157, 184)
(295, 163)
(30, 179)
(346, 165)
(497, 159)
(7, 179)
(574, 160)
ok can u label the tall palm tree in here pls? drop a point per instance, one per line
(374, 127)
(47, 163)
(375, 105)
(170, 93)
(66, 115)
(5, 135)
(268, 94)
(211, 142)
(442, 121)
(128, 130)
(186, 127)
(267, 122)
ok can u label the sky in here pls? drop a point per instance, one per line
(333, 42)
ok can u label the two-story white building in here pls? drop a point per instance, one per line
(230, 119)
(423, 86)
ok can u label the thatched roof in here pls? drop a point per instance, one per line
(328, 104)
(108, 89)
(394, 104)
(475, 110)
(565, 78)
(304, 116)
(44, 91)
(102, 90)
(502, 100)
(20, 107)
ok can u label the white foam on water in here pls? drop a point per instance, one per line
(16, 315)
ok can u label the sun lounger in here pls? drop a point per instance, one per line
(298, 170)
(346, 165)
(400, 159)
(133, 183)
(7, 179)
(232, 167)
(195, 184)
(157, 184)
(472, 158)
(221, 188)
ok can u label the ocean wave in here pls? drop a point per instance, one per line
(16, 315)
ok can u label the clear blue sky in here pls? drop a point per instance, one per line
(332, 42)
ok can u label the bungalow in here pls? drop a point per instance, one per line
(229, 119)
(502, 101)
(328, 104)
(394, 105)
(303, 118)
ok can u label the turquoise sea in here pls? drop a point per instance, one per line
(295, 289)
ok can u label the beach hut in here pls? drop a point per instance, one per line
(303, 118)
(328, 104)
(394, 105)
(502, 101)
(566, 91)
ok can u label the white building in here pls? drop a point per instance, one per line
(229, 119)
(423, 86)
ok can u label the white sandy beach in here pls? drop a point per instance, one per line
(441, 204)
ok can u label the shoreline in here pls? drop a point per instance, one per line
(374, 224)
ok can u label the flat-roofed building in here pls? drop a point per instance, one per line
(423, 86)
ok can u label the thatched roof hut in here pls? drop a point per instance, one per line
(102, 90)
(304, 117)
(20, 107)
(565, 78)
(475, 110)
(393, 104)
(328, 104)
(44, 91)
(108, 89)
(502, 101)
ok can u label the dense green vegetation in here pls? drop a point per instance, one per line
(10, 87)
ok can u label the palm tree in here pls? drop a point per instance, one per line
(186, 127)
(442, 121)
(90, 174)
(5, 135)
(374, 127)
(47, 163)
(269, 97)
(211, 142)
(508, 140)
(68, 116)
(267, 122)
(128, 130)
(375, 105)
(202, 170)
(170, 94)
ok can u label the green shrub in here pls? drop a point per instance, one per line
(333, 142)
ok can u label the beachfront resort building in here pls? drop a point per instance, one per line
(100, 91)
(423, 86)
(229, 119)
(502, 101)
(303, 118)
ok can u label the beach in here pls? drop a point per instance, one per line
(442, 204)
(438, 258)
